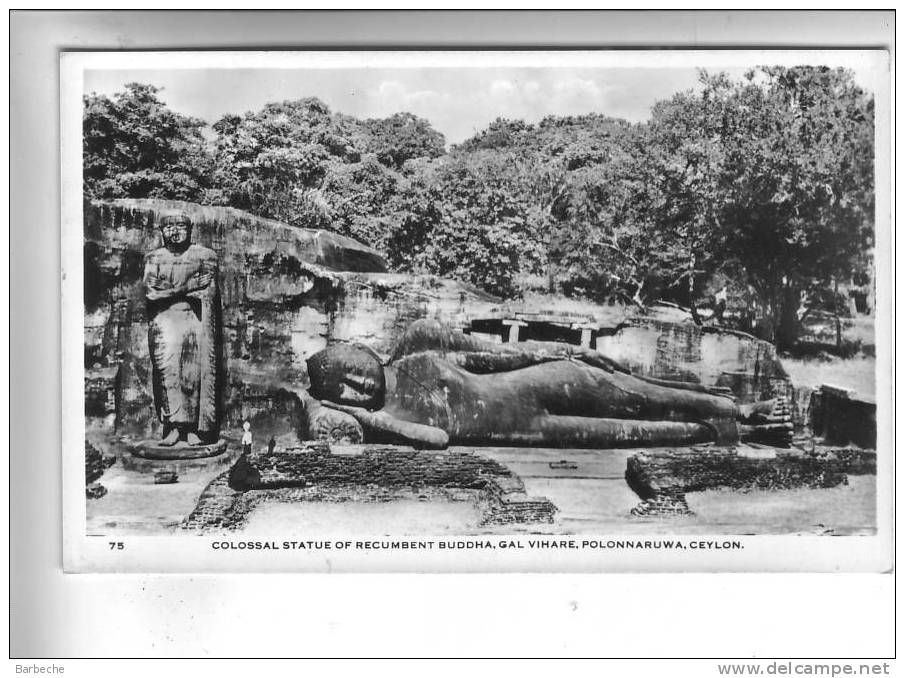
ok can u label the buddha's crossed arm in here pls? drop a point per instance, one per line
(158, 287)
(484, 357)
(490, 362)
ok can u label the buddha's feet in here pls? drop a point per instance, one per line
(770, 423)
(170, 438)
(192, 439)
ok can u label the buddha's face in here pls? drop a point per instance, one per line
(348, 374)
(176, 232)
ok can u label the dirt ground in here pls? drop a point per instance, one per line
(857, 372)
(593, 499)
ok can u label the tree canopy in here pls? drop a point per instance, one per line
(764, 184)
(136, 147)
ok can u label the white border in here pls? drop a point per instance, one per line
(193, 554)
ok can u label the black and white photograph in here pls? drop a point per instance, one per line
(475, 311)
(452, 334)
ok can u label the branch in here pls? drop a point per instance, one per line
(624, 254)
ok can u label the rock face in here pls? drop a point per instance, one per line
(376, 308)
(664, 344)
(286, 292)
(747, 366)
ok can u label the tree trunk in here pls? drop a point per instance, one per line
(788, 328)
(691, 305)
(637, 299)
(836, 313)
(695, 316)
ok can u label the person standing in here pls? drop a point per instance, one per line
(246, 438)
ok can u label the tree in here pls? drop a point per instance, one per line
(501, 134)
(298, 162)
(679, 158)
(538, 173)
(273, 162)
(402, 137)
(136, 147)
(466, 218)
(600, 235)
(359, 196)
(766, 181)
(799, 186)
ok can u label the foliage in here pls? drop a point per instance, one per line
(272, 162)
(598, 246)
(799, 203)
(358, 195)
(679, 157)
(528, 178)
(767, 181)
(136, 147)
(402, 137)
(465, 218)
(298, 162)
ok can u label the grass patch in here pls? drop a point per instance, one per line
(858, 374)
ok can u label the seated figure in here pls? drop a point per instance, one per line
(443, 387)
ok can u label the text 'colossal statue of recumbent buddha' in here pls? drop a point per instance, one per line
(443, 387)
(184, 336)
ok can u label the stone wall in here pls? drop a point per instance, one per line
(376, 308)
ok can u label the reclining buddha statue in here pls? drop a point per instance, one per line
(442, 387)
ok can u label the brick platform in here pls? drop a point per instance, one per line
(661, 479)
(374, 474)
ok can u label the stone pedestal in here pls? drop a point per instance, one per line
(150, 456)
(152, 449)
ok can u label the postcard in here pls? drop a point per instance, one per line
(478, 311)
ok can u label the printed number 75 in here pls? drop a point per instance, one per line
(116, 545)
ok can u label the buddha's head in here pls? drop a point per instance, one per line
(176, 230)
(348, 374)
